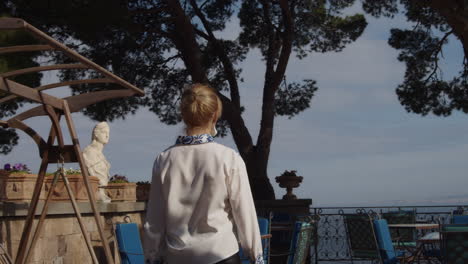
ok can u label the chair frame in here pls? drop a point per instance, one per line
(303, 240)
(267, 244)
(352, 250)
(444, 238)
(300, 233)
(395, 217)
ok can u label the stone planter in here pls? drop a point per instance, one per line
(16, 187)
(142, 192)
(289, 180)
(121, 192)
(76, 184)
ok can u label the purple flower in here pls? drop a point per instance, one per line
(7, 167)
(18, 167)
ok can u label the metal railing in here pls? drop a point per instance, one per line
(331, 242)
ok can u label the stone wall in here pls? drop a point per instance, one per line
(61, 240)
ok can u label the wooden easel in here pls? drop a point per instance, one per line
(55, 108)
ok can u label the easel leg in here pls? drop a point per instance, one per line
(79, 155)
(34, 201)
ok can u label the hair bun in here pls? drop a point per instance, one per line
(198, 105)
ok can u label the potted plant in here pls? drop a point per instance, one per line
(143, 190)
(17, 183)
(75, 180)
(119, 189)
(289, 180)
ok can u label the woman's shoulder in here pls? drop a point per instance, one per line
(229, 155)
(222, 148)
(207, 147)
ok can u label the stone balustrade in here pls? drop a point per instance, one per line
(61, 240)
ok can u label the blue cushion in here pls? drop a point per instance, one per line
(128, 238)
(460, 219)
(263, 224)
(384, 240)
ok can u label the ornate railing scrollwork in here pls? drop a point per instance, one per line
(331, 243)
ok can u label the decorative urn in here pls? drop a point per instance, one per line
(289, 180)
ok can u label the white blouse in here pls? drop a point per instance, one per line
(199, 193)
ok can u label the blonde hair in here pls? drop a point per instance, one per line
(199, 104)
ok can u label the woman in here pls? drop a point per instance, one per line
(200, 194)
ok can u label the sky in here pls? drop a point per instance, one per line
(355, 145)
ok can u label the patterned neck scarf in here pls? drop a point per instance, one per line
(195, 139)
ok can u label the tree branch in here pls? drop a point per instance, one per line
(453, 12)
(147, 11)
(287, 43)
(202, 34)
(221, 53)
(436, 53)
(169, 59)
(273, 77)
(184, 40)
(240, 134)
(272, 43)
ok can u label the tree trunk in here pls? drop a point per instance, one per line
(257, 164)
(185, 41)
(256, 159)
(456, 13)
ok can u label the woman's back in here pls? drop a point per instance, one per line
(193, 179)
(200, 191)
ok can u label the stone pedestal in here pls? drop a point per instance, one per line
(121, 192)
(76, 184)
(18, 187)
(296, 207)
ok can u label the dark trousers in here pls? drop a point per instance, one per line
(234, 259)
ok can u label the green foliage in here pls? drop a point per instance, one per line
(8, 139)
(10, 62)
(316, 27)
(424, 90)
(421, 91)
(72, 171)
(136, 41)
(293, 98)
(290, 173)
(118, 179)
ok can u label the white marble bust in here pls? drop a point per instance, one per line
(96, 162)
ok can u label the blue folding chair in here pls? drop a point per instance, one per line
(300, 243)
(129, 242)
(388, 254)
(264, 226)
(459, 219)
